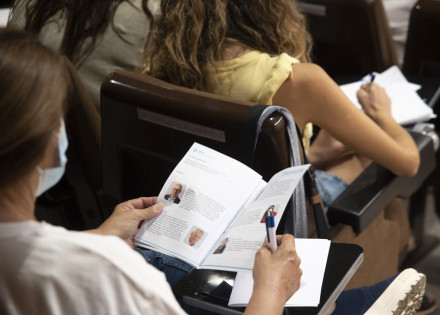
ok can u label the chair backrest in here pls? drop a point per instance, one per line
(148, 126)
(83, 170)
(73, 202)
(84, 128)
(350, 37)
(422, 49)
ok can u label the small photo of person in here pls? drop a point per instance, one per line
(274, 210)
(195, 237)
(173, 196)
(221, 247)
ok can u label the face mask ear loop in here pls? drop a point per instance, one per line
(40, 187)
(51, 176)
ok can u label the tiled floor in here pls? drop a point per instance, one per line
(430, 265)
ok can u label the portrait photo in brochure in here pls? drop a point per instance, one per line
(195, 237)
(175, 193)
(221, 247)
(274, 210)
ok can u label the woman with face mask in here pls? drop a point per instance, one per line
(46, 269)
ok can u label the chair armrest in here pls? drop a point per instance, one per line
(376, 186)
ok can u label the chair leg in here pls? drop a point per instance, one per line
(435, 195)
(424, 243)
(417, 213)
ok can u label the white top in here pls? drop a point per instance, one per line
(398, 13)
(48, 270)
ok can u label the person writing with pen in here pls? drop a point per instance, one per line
(259, 51)
(47, 269)
(50, 270)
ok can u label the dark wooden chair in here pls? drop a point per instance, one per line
(350, 37)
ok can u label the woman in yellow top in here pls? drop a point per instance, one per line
(259, 51)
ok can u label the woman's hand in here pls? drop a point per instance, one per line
(125, 219)
(276, 276)
(375, 101)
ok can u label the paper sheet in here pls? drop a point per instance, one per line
(406, 105)
(313, 254)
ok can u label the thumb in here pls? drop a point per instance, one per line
(150, 212)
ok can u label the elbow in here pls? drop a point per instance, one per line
(410, 165)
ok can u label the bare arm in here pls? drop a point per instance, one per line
(312, 96)
(276, 277)
(326, 151)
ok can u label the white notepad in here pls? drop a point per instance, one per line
(313, 254)
(406, 105)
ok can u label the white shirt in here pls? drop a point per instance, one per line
(398, 13)
(48, 270)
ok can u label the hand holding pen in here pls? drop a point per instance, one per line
(276, 275)
(374, 101)
(372, 76)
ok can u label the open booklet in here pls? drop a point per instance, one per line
(214, 207)
(406, 105)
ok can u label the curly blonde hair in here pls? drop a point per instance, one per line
(190, 35)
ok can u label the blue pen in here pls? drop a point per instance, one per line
(270, 228)
(372, 77)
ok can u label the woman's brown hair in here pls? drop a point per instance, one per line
(190, 35)
(33, 89)
(85, 21)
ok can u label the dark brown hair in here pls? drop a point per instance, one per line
(34, 85)
(85, 21)
(190, 35)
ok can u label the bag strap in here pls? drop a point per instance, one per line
(249, 138)
(313, 192)
(249, 134)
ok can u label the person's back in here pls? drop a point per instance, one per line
(245, 47)
(120, 36)
(254, 76)
(49, 270)
(398, 13)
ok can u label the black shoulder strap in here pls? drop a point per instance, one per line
(249, 135)
(315, 197)
(249, 138)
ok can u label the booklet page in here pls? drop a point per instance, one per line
(201, 197)
(236, 249)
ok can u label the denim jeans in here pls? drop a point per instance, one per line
(330, 187)
(174, 268)
(359, 300)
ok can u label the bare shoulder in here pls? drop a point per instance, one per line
(307, 85)
(304, 78)
(308, 73)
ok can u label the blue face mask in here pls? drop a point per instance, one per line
(47, 178)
